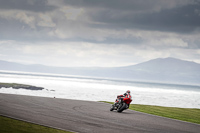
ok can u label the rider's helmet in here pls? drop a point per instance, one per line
(128, 91)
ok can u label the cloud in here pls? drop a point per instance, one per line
(168, 42)
(98, 33)
(88, 54)
(27, 5)
(170, 16)
(130, 5)
(98, 21)
(20, 16)
(46, 21)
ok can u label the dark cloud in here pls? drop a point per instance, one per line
(113, 4)
(106, 15)
(30, 5)
(181, 19)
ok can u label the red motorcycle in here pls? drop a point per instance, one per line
(121, 103)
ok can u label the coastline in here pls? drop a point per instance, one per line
(18, 86)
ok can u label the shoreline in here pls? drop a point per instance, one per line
(18, 86)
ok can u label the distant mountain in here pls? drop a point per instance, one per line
(167, 70)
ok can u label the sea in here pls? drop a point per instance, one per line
(102, 89)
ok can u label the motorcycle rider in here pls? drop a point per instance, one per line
(126, 95)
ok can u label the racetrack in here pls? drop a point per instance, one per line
(87, 116)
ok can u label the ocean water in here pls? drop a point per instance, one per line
(95, 89)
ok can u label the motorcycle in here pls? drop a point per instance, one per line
(121, 104)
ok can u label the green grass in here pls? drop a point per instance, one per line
(184, 114)
(11, 84)
(18, 86)
(8, 125)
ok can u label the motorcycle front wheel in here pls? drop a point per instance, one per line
(112, 108)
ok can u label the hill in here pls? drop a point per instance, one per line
(167, 70)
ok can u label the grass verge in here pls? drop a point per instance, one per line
(184, 114)
(18, 86)
(9, 125)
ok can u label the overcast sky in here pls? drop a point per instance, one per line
(104, 33)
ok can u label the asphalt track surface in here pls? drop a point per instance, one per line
(87, 116)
